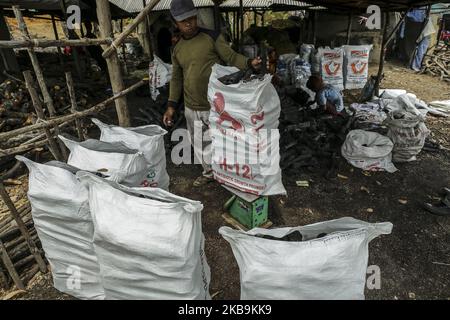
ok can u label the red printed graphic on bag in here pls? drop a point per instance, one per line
(219, 105)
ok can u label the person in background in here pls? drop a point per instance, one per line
(193, 57)
(328, 98)
(95, 51)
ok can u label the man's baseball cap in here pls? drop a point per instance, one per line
(182, 9)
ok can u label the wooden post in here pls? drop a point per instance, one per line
(55, 31)
(38, 71)
(38, 43)
(8, 55)
(382, 55)
(74, 108)
(114, 69)
(75, 56)
(10, 267)
(23, 229)
(241, 16)
(130, 28)
(349, 27)
(52, 145)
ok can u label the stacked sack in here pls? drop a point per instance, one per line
(60, 211)
(147, 139)
(244, 121)
(106, 240)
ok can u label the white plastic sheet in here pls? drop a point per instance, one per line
(331, 267)
(113, 159)
(244, 120)
(149, 243)
(60, 211)
(369, 151)
(147, 139)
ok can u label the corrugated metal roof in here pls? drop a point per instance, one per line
(137, 5)
(264, 3)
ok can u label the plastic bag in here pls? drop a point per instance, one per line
(331, 267)
(331, 64)
(244, 121)
(149, 243)
(113, 159)
(284, 67)
(147, 139)
(160, 74)
(357, 62)
(60, 211)
(406, 129)
(300, 72)
(305, 52)
(369, 151)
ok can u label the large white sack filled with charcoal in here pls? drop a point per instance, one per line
(406, 129)
(149, 242)
(60, 211)
(326, 260)
(147, 139)
(369, 151)
(331, 66)
(112, 159)
(245, 137)
(357, 66)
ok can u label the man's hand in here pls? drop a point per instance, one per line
(168, 116)
(256, 63)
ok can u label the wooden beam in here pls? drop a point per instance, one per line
(52, 145)
(130, 28)
(23, 229)
(74, 107)
(10, 267)
(41, 43)
(113, 62)
(71, 117)
(55, 31)
(382, 55)
(349, 27)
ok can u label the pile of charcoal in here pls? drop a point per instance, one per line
(16, 107)
(309, 138)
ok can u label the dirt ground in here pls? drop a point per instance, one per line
(414, 260)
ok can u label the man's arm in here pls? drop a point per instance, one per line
(176, 83)
(230, 56)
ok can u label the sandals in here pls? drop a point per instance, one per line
(441, 209)
(202, 180)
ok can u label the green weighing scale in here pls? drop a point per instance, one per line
(250, 211)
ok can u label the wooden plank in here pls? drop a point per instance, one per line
(230, 220)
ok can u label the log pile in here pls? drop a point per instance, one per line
(438, 64)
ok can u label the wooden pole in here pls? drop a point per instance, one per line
(10, 267)
(75, 56)
(74, 108)
(114, 69)
(36, 66)
(23, 229)
(8, 56)
(40, 43)
(39, 74)
(55, 31)
(382, 56)
(241, 16)
(130, 28)
(71, 117)
(52, 145)
(349, 27)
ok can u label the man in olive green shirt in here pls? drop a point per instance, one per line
(192, 59)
